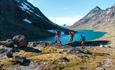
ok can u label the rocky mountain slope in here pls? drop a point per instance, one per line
(98, 19)
(21, 17)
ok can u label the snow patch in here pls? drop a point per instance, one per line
(28, 21)
(28, 5)
(52, 31)
(24, 6)
(108, 11)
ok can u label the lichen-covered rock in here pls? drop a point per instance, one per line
(78, 51)
(32, 66)
(9, 43)
(9, 54)
(21, 60)
(20, 40)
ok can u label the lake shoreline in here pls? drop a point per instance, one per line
(89, 34)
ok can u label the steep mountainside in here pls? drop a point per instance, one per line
(21, 17)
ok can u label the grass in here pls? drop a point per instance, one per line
(54, 55)
(75, 62)
(6, 63)
(52, 50)
(46, 57)
(25, 53)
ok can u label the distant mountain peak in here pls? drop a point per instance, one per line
(97, 8)
(94, 11)
(96, 17)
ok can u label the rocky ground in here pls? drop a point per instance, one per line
(51, 58)
(23, 55)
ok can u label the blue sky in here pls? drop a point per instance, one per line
(68, 11)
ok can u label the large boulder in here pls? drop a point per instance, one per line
(20, 40)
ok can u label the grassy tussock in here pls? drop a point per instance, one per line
(6, 63)
(46, 57)
(24, 53)
(52, 50)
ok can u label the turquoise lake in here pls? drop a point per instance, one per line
(89, 35)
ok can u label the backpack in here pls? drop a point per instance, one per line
(57, 34)
(72, 33)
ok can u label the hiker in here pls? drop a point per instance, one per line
(72, 36)
(83, 41)
(57, 36)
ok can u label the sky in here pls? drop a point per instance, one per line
(68, 11)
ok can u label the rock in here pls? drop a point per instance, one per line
(4, 51)
(33, 44)
(100, 66)
(83, 68)
(78, 51)
(9, 43)
(20, 40)
(109, 46)
(21, 60)
(108, 62)
(43, 43)
(63, 60)
(1, 46)
(101, 46)
(1, 65)
(32, 66)
(2, 42)
(9, 54)
(75, 51)
(85, 51)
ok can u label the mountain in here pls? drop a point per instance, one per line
(101, 20)
(21, 17)
(95, 18)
